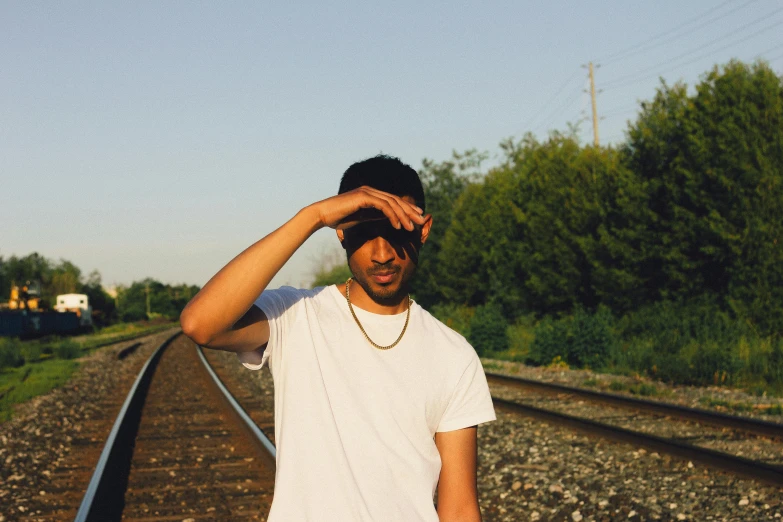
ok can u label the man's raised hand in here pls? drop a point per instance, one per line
(368, 204)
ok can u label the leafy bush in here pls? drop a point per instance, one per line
(336, 275)
(488, 330)
(133, 312)
(713, 363)
(591, 339)
(583, 340)
(67, 349)
(10, 353)
(673, 325)
(454, 316)
(773, 373)
(551, 341)
(31, 351)
(520, 337)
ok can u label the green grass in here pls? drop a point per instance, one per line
(492, 366)
(642, 389)
(617, 386)
(741, 407)
(21, 384)
(118, 333)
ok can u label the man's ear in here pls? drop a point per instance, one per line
(341, 236)
(425, 228)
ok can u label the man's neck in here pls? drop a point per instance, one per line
(360, 299)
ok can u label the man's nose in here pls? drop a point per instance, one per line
(382, 251)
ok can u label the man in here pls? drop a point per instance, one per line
(376, 402)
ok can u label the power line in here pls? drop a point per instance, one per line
(574, 95)
(774, 48)
(697, 49)
(612, 114)
(543, 108)
(631, 81)
(680, 34)
(713, 42)
(667, 32)
(623, 109)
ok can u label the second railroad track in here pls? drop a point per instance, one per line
(748, 447)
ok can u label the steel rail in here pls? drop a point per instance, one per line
(259, 435)
(104, 498)
(723, 420)
(724, 461)
(101, 493)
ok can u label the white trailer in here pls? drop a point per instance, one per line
(78, 303)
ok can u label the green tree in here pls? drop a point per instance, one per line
(64, 278)
(164, 300)
(556, 225)
(30, 267)
(102, 303)
(713, 165)
(5, 283)
(443, 183)
(488, 330)
(335, 275)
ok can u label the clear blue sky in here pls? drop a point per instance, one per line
(161, 138)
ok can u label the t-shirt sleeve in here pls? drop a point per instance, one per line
(277, 306)
(471, 402)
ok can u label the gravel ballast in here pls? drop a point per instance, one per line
(528, 470)
(50, 447)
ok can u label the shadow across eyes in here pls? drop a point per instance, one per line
(359, 234)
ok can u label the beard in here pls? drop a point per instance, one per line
(386, 294)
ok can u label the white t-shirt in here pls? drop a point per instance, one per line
(355, 425)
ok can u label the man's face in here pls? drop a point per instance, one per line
(382, 258)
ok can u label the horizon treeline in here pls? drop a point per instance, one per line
(64, 277)
(691, 204)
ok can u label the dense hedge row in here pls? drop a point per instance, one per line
(663, 255)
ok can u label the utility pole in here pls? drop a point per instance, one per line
(147, 289)
(595, 110)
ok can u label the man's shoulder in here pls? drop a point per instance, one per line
(288, 292)
(445, 334)
(288, 298)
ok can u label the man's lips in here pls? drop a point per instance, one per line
(383, 277)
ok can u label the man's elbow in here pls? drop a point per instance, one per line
(193, 328)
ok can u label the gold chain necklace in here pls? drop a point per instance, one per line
(350, 307)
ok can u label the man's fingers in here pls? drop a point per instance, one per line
(402, 216)
(384, 206)
(407, 213)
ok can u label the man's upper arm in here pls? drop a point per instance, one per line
(457, 495)
(250, 333)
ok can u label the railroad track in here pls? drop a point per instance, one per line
(181, 448)
(749, 447)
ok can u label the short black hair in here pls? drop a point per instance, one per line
(385, 173)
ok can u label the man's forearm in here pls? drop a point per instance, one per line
(468, 512)
(225, 299)
(232, 291)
